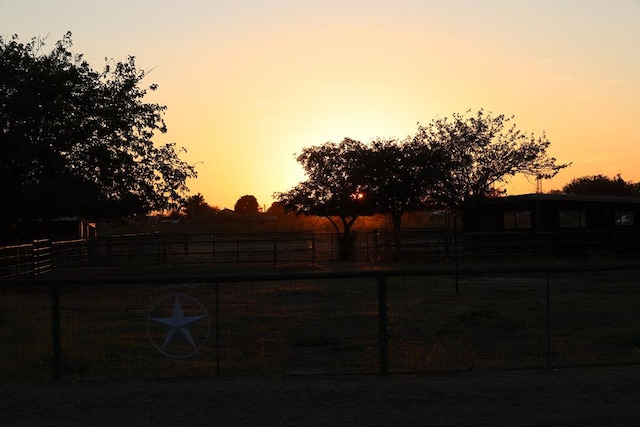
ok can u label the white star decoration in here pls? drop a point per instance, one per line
(178, 325)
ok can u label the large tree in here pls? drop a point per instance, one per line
(399, 177)
(481, 151)
(337, 187)
(602, 185)
(75, 141)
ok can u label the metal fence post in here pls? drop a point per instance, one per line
(375, 245)
(55, 331)
(366, 235)
(213, 248)
(383, 336)
(164, 250)
(548, 291)
(217, 329)
(275, 250)
(455, 253)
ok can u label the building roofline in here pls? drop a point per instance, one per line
(563, 197)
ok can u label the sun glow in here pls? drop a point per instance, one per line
(358, 196)
(250, 84)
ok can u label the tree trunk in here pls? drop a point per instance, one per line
(344, 244)
(344, 238)
(397, 243)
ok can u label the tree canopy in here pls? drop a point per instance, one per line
(247, 204)
(337, 187)
(336, 184)
(197, 209)
(399, 175)
(481, 151)
(445, 164)
(602, 185)
(75, 141)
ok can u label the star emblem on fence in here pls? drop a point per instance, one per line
(178, 340)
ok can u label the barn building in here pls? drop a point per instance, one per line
(554, 223)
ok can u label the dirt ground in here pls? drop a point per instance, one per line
(603, 396)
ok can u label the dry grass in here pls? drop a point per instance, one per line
(328, 326)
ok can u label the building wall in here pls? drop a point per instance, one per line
(553, 222)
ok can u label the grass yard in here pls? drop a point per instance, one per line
(322, 326)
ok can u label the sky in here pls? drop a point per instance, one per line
(249, 83)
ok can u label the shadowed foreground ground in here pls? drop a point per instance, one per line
(603, 396)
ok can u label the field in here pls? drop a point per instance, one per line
(472, 347)
(320, 323)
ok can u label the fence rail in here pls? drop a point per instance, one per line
(282, 248)
(347, 322)
(67, 253)
(16, 260)
(41, 257)
(219, 248)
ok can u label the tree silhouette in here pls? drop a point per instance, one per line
(481, 151)
(399, 176)
(276, 208)
(446, 164)
(197, 209)
(75, 141)
(602, 185)
(337, 187)
(247, 205)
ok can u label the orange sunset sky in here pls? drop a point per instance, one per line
(249, 83)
